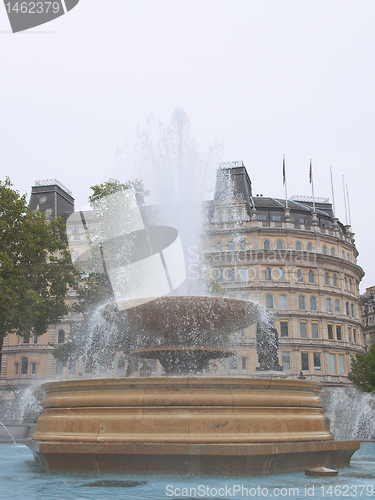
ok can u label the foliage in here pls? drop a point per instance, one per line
(35, 266)
(114, 185)
(363, 370)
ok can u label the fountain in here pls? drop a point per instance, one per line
(186, 424)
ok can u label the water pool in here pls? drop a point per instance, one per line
(21, 479)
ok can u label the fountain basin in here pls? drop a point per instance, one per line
(185, 425)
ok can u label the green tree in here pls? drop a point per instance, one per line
(98, 334)
(35, 267)
(363, 370)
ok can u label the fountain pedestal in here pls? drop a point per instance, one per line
(193, 425)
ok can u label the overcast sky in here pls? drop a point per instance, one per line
(264, 78)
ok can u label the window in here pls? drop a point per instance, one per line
(219, 274)
(284, 329)
(311, 276)
(152, 364)
(298, 246)
(341, 363)
(26, 338)
(61, 337)
(245, 296)
(281, 274)
(352, 309)
(299, 276)
(231, 275)
(36, 339)
(350, 333)
(348, 257)
(309, 247)
(330, 331)
(346, 282)
(314, 330)
(33, 368)
(350, 285)
(332, 363)
(266, 245)
(233, 364)
(279, 245)
(337, 306)
(333, 252)
(121, 366)
(283, 304)
(301, 303)
(317, 361)
(230, 215)
(243, 333)
(328, 305)
(305, 361)
(313, 303)
(243, 245)
(338, 332)
(218, 247)
(347, 308)
(324, 250)
(354, 335)
(220, 216)
(24, 366)
(59, 367)
(269, 301)
(285, 360)
(244, 363)
(267, 274)
(343, 255)
(276, 217)
(244, 275)
(334, 279)
(239, 215)
(303, 330)
(230, 246)
(16, 365)
(326, 278)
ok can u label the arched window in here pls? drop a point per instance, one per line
(121, 366)
(326, 278)
(281, 274)
(337, 306)
(230, 215)
(61, 337)
(301, 302)
(313, 303)
(309, 247)
(220, 213)
(230, 246)
(350, 285)
(347, 308)
(334, 279)
(266, 245)
(352, 309)
(24, 366)
(328, 305)
(333, 251)
(244, 274)
(243, 245)
(269, 301)
(325, 250)
(298, 246)
(299, 276)
(311, 276)
(267, 274)
(231, 275)
(218, 247)
(279, 245)
(283, 302)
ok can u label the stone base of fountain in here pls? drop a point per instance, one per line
(192, 425)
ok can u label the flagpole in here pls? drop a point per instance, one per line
(333, 194)
(312, 185)
(284, 182)
(346, 212)
(350, 218)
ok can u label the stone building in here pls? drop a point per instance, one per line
(299, 263)
(367, 302)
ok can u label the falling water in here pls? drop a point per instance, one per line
(351, 412)
(8, 432)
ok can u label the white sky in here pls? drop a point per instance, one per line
(265, 77)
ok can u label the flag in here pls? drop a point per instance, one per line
(310, 173)
(283, 170)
